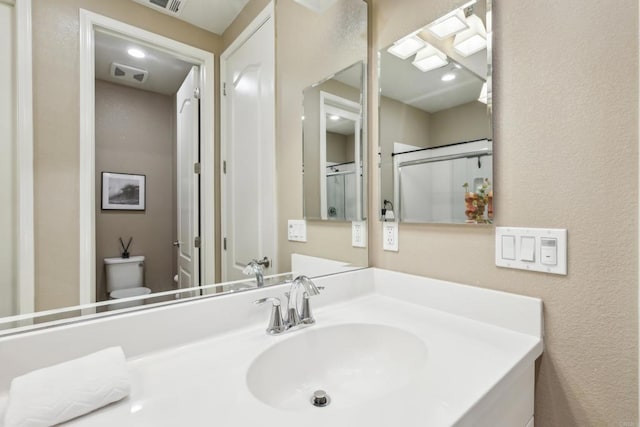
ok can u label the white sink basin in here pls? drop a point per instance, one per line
(353, 363)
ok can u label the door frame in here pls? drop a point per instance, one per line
(205, 60)
(267, 13)
(25, 240)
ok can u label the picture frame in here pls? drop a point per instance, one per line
(123, 191)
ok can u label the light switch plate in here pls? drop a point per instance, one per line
(525, 238)
(297, 230)
(359, 234)
(390, 236)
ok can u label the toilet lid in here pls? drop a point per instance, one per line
(131, 292)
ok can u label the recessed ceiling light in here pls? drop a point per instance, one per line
(429, 59)
(483, 94)
(136, 53)
(406, 47)
(334, 117)
(448, 77)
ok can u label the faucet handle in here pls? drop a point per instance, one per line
(277, 324)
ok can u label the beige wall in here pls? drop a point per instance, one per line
(566, 150)
(336, 147)
(466, 122)
(56, 124)
(135, 134)
(7, 161)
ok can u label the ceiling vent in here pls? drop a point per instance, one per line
(129, 74)
(170, 7)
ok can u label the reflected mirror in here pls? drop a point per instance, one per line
(135, 187)
(436, 136)
(335, 147)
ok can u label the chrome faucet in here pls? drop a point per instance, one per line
(256, 267)
(298, 312)
(296, 306)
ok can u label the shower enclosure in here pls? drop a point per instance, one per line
(341, 191)
(430, 182)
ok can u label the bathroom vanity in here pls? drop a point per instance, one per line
(388, 348)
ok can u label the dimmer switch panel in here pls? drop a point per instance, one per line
(534, 249)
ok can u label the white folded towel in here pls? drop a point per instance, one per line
(56, 394)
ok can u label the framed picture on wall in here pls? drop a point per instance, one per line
(123, 192)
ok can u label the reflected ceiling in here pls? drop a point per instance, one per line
(212, 15)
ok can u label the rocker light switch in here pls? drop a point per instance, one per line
(509, 247)
(527, 248)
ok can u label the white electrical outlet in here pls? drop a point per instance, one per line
(390, 236)
(359, 234)
(297, 230)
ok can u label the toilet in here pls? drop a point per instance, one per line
(125, 279)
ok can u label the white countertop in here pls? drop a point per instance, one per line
(204, 382)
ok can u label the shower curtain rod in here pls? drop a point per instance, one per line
(442, 146)
(341, 173)
(469, 155)
(341, 164)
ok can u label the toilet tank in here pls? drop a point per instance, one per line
(124, 273)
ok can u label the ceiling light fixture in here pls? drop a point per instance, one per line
(450, 24)
(448, 77)
(429, 59)
(472, 40)
(136, 53)
(334, 117)
(483, 94)
(318, 6)
(407, 46)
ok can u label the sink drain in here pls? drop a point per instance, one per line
(320, 398)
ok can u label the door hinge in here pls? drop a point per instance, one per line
(224, 243)
(196, 242)
(196, 167)
(224, 166)
(224, 89)
(196, 93)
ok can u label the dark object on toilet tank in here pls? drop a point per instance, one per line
(125, 249)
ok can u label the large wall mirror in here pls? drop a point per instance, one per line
(335, 146)
(436, 135)
(136, 113)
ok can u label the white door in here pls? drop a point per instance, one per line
(188, 185)
(249, 198)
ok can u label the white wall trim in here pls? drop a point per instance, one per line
(267, 13)
(205, 60)
(24, 139)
